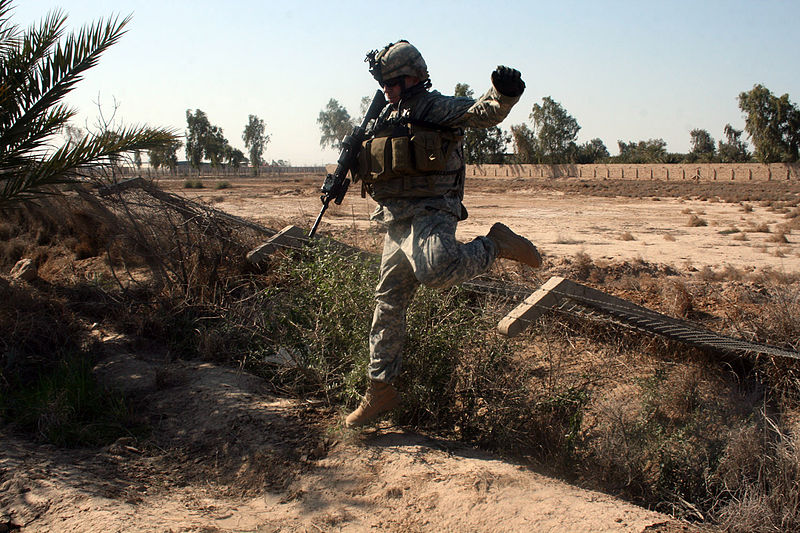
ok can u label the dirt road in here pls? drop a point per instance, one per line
(682, 232)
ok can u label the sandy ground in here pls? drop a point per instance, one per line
(560, 224)
(226, 456)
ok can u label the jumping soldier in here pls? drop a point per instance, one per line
(413, 166)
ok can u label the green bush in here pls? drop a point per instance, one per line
(318, 310)
(67, 406)
(458, 377)
(193, 184)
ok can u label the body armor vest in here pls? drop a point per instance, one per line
(408, 157)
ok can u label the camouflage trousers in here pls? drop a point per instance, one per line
(421, 250)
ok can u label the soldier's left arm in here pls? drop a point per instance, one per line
(490, 109)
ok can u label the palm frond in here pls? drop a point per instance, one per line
(19, 65)
(9, 32)
(33, 143)
(38, 68)
(58, 72)
(70, 162)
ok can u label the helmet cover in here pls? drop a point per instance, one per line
(395, 60)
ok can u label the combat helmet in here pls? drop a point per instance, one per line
(397, 59)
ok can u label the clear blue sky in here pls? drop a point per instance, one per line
(626, 70)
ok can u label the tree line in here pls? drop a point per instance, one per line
(771, 122)
(206, 141)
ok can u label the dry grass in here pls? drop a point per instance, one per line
(695, 221)
(785, 192)
(583, 265)
(761, 465)
(560, 239)
(762, 227)
(778, 238)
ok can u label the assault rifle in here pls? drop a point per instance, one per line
(336, 184)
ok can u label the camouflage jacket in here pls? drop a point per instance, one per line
(454, 112)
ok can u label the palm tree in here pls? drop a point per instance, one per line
(38, 68)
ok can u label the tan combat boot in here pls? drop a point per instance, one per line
(513, 246)
(380, 397)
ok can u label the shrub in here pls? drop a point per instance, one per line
(759, 228)
(757, 479)
(193, 184)
(778, 238)
(222, 185)
(318, 312)
(696, 221)
(46, 383)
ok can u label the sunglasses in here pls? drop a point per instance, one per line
(392, 82)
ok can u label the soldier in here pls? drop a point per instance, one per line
(413, 166)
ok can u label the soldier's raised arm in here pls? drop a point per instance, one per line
(488, 110)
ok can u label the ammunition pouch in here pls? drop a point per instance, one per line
(418, 153)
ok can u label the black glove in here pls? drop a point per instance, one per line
(508, 81)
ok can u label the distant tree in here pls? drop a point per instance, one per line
(73, 134)
(773, 125)
(735, 149)
(555, 129)
(39, 66)
(165, 156)
(204, 140)
(334, 123)
(485, 145)
(234, 156)
(363, 107)
(591, 152)
(197, 129)
(482, 145)
(463, 90)
(524, 142)
(255, 140)
(703, 149)
(137, 159)
(216, 147)
(651, 151)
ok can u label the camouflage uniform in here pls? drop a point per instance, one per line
(420, 245)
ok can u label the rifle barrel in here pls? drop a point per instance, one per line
(319, 219)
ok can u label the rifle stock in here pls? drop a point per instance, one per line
(336, 184)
